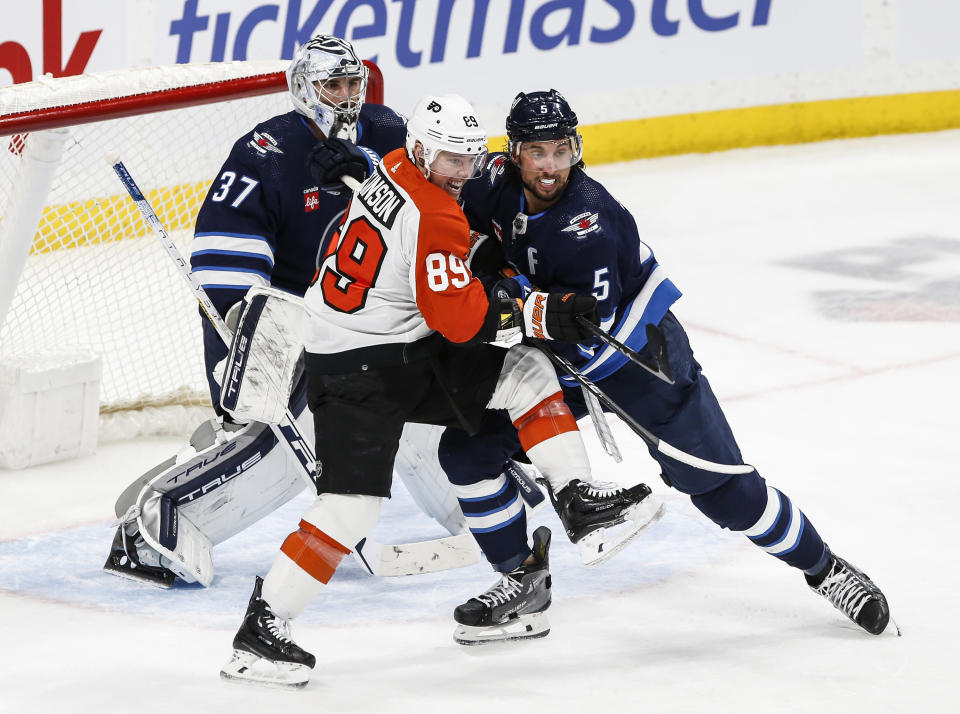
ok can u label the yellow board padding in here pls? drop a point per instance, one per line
(116, 218)
(105, 220)
(795, 123)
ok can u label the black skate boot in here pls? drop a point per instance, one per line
(514, 608)
(263, 652)
(587, 509)
(852, 593)
(125, 562)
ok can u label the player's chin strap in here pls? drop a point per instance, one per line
(454, 552)
(652, 441)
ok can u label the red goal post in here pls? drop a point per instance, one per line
(80, 273)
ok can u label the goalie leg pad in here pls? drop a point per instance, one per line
(418, 466)
(238, 478)
(185, 549)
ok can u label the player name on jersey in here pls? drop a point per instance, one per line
(380, 198)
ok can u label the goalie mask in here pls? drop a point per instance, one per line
(454, 144)
(328, 84)
(545, 120)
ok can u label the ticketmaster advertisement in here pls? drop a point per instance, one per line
(615, 60)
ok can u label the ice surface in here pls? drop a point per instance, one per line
(822, 296)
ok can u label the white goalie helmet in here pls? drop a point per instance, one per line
(448, 124)
(328, 83)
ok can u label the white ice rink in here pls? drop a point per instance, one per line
(822, 297)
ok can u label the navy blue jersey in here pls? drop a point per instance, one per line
(264, 220)
(587, 243)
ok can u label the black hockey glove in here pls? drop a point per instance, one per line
(508, 288)
(332, 158)
(554, 316)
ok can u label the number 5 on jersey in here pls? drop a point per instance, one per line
(347, 276)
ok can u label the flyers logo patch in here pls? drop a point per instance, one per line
(583, 224)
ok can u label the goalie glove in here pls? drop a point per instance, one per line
(331, 159)
(554, 316)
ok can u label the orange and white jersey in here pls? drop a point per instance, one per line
(396, 270)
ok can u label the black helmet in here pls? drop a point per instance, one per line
(542, 116)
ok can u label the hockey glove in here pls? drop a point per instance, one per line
(507, 288)
(554, 316)
(333, 158)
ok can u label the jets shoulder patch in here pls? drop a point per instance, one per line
(583, 224)
(264, 143)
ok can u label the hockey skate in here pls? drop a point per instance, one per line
(126, 562)
(852, 593)
(263, 652)
(587, 510)
(514, 608)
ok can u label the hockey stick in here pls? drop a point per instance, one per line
(600, 425)
(456, 551)
(428, 556)
(660, 370)
(652, 441)
(287, 430)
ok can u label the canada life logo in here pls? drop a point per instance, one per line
(311, 199)
(16, 60)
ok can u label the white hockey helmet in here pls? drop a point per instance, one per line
(449, 124)
(315, 64)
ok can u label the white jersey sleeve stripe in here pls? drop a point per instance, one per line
(231, 278)
(236, 243)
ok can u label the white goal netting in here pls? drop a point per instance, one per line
(79, 269)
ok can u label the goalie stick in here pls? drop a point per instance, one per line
(404, 558)
(652, 441)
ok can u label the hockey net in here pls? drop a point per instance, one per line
(80, 272)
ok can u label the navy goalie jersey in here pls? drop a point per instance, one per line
(265, 220)
(586, 243)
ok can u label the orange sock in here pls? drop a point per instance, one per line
(547, 419)
(314, 551)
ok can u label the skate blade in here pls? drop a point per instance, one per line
(595, 551)
(892, 628)
(248, 668)
(525, 627)
(135, 576)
